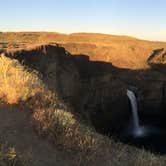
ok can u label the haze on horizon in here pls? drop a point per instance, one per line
(138, 18)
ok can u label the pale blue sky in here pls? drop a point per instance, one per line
(140, 18)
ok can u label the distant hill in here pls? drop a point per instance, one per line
(121, 51)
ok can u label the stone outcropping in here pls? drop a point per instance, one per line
(54, 65)
(158, 56)
(158, 60)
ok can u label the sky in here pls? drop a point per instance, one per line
(144, 19)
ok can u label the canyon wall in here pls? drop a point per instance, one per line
(96, 90)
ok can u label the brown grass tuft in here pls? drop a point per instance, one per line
(16, 83)
(9, 157)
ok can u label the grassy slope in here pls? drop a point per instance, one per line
(122, 51)
(79, 144)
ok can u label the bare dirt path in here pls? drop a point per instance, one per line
(15, 130)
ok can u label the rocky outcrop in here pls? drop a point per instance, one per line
(158, 60)
(54, 65)
(158, 56)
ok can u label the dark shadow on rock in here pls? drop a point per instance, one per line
(97, 90)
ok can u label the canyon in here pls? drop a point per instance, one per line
(96, 90)
(90, 74)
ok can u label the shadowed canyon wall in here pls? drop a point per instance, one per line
(96, 89)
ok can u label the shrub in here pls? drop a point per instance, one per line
(9, 157)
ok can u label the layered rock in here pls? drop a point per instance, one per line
(158, 56)
(158, 60)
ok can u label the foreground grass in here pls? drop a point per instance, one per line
(54, 120)
(16, 83)
(9, 157)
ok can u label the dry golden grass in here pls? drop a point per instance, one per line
(16, 83)
(121, 51)
(9, 157)
(50, 118)
(89, 148)
(63, 129)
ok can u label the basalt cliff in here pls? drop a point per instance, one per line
(96, 88)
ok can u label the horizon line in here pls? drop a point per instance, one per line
(77, 32)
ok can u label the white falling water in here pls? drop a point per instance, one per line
(133, 101)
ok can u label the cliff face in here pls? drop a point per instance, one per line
(89, 87)
(96, 89)
(158, 56)
(157, 60)
(54, 65)
(103, 95)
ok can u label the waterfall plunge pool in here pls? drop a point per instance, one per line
(142, 135)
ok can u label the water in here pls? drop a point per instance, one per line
(149, 137)
(136, 127)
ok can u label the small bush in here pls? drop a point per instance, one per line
(9, 157)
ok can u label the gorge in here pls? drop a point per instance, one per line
(96, 90)
(90, 74)
(143, 135)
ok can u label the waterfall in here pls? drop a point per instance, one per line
(148, 136)
(135, 118)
